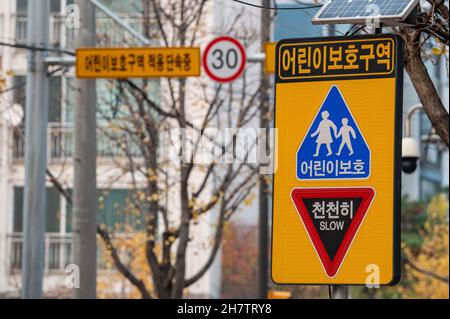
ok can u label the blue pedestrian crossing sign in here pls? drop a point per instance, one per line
(334, 146)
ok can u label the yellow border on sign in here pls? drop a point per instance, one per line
(378, 231)
(194, 74)
(337, 75)
(269, 64)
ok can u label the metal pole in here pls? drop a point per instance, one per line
(329, 30)
(35, 152)
(263, 185)
(120, 22)
(336, 291)
(60, 60)
(339, 292)
(85, 190)
(409, 116)
(257, 58)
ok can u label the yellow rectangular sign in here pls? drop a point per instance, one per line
(137, 62)
(269, 62)
(336, 212)
(336, 59)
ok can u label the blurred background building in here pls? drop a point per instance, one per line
(111, 195)
(431, 175)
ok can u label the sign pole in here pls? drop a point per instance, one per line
(336, 291)
(35, 153)
(263, 185)
(84, 222)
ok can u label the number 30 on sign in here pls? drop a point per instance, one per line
(224, 59)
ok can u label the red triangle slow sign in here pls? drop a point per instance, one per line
(332, 217)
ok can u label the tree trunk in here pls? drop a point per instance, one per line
(424, 86)
(180, 263)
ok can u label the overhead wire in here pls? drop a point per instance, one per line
(276, 7)
(36, 48)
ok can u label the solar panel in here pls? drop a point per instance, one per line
(357, 11)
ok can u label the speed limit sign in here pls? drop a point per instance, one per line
(224, 59)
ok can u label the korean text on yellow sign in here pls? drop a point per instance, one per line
(337, 59)
(338, 105)
(137, 62)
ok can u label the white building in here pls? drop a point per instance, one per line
(13, 21)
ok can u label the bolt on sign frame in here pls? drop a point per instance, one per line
(365, 74)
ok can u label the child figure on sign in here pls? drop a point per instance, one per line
(346, 132)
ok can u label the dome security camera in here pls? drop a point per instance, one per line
(410, 155)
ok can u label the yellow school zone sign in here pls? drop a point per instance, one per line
(338, 110)
(269, 61)
(137, 62)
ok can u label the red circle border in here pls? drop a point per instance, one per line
(241, 69)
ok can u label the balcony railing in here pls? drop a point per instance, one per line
(57, 248)
(58, 252)
(60, 143)
(56, 29)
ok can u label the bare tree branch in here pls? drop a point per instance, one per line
(424, 271)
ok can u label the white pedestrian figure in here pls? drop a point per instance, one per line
(324, 133)
(346, 132)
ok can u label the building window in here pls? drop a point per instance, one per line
(55, 22)
(431, 155)
(54, 99)
(54, 94)
(124, 6)
(115, 210)
(22, 6)
(19, 95)
(70, 100)
(53, 211)
(429, 188)
(18, 205)
(57, 245)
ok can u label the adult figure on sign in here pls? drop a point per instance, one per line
(323, 134)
